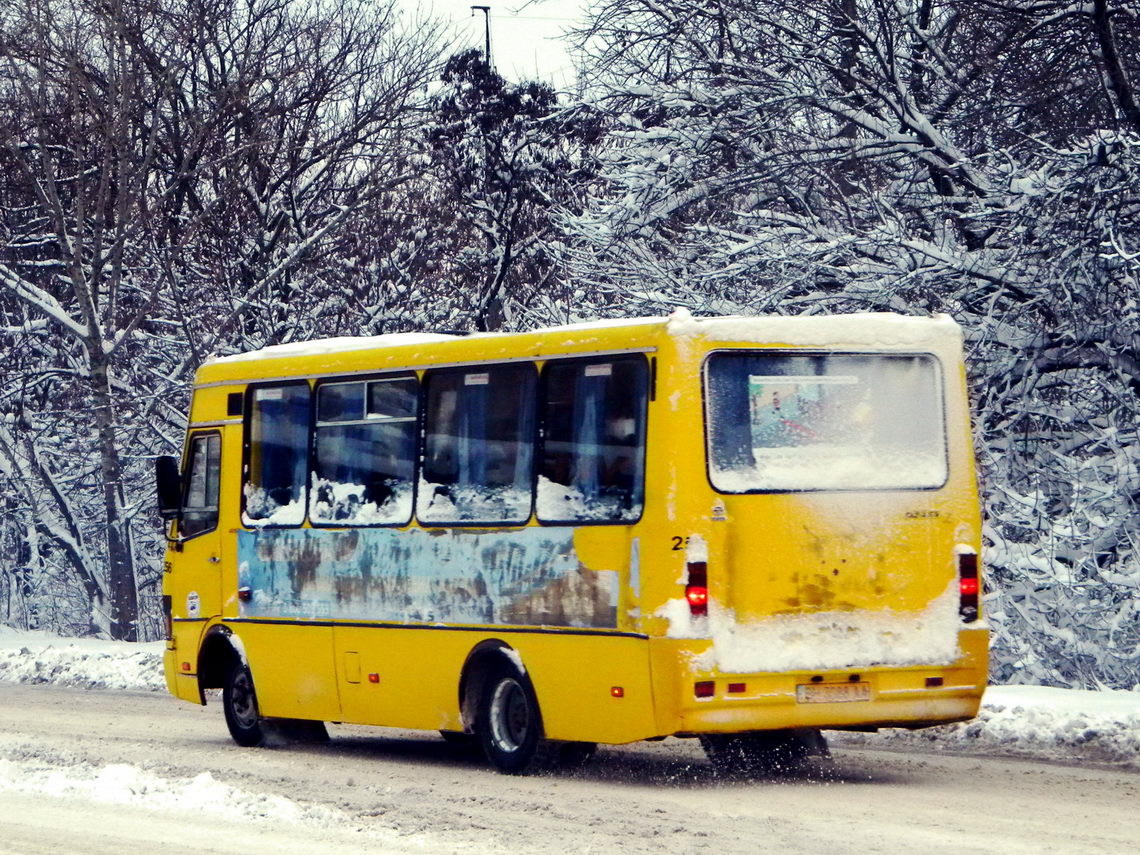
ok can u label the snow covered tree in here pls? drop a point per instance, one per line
(172, 173)
(501, 157)
(976, 157)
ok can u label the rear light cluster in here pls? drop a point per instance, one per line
(697, 588)
(969, 586)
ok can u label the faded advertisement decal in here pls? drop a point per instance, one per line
(531, 577)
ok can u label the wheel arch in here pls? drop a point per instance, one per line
(479, 665)
(220, 649)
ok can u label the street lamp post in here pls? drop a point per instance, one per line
(486, 10)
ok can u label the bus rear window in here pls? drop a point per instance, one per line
(779, 421)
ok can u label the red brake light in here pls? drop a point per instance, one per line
(697, 596)
(697, 588)
(969, 586)
(704, 688)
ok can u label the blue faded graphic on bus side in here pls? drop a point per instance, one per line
(528, 577)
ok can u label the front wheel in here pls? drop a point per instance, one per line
(510, 725)
(239, 700)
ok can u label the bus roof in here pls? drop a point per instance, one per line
(879, 330)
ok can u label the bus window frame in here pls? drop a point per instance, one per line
(940, 378)
(192, 437)
(650, 384)
(417, 446)
(462, 368)
(246, 444)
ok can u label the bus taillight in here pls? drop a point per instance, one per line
(968, 586)
(697, 588)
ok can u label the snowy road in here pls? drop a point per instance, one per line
(113, 771)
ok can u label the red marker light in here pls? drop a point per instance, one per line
(698, 597)
(618, 692)
(704, 688)
(373, 678)
(969, 586)
(185, 666)
(697, 588)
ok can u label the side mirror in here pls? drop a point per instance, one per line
(169, 487)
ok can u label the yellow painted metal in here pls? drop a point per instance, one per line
(418, 676)
(767, 555)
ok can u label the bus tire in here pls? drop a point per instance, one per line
(239, 700)
(762, 752)
(510, 724)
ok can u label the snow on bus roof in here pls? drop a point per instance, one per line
(869, 329)
(865, 329)
(339, 344)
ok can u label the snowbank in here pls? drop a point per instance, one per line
(1067, 725)
(1033, 721)
(36, 657)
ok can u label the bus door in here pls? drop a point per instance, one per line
(195, 590)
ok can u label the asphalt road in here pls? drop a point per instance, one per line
(373, 790)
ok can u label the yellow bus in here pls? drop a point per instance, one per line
(743, 530)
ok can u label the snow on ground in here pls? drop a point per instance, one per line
(1033, 721)
(1066, 725)
(36, 657)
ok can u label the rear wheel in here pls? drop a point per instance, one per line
(239, 700)
(510, 725)
(762, 752)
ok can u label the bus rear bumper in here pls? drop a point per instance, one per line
(853, 698)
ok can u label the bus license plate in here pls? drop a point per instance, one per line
(832, 693)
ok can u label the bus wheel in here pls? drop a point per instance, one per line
(510, 725)
(762, 751)
(240, 704)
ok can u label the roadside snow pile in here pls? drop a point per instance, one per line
(123, 784)
(1037, 721)
(36, 657)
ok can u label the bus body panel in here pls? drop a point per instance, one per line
(292, 668)
(409, 677)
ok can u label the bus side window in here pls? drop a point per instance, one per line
(203, 470)
(364, 452)
(593, 453)
(478, 445)
(277, 445)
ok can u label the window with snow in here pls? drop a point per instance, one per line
(277, 454)
(203, 471)
(364, 452)
(478, 445)
(820, 421)
(593, 451)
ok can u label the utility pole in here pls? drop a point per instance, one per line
(486, 10)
